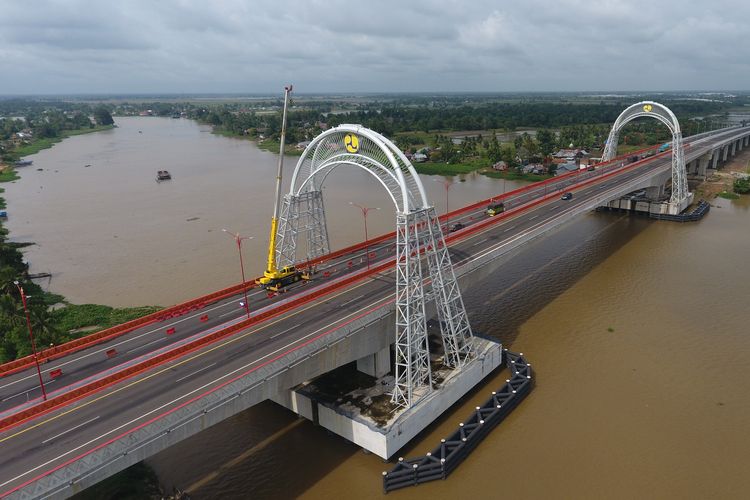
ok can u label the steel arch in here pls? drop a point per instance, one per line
(373, 152)
(662, 113)
(418, 237)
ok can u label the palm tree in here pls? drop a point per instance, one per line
(7, 276)
(45, 330)
(10, 312)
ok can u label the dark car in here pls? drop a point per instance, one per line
(567, 196)
(456, 227)
(591, 168)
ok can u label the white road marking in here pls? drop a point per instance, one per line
(350, 301)
(480, 242)
(287, 330)
(196, 371)
(144, 345)
(70, 430)
(26, 392)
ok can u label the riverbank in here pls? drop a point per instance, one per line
(53, 326)
(47, 142)
(720, 184)
(426, 168)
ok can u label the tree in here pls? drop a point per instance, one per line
(102, 116)
(546, 141)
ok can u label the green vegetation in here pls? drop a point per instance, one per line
(273, 146)
(742, 186)
(729, 196)
(49, 326)
(93, 317)
(8, 175)
(37, 145)
(102, 116)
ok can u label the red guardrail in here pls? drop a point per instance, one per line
(92, 387)
(104, 335)
(85, 390)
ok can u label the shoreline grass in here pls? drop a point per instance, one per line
(47, 142)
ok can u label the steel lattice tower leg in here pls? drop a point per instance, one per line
(286, 234)
(315, 224)
(454, 324)
(303, 213)
(413, 375)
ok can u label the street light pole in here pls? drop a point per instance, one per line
(447, 183)
(238, 239)
(365, 211)
(31, 336)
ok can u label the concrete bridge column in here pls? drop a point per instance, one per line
(653, 193)
(725, 152)
(690, 167)
(376, 365)
(715, 158)
(703, 164)
(734, 148)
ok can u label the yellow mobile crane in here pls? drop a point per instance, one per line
(274, 278)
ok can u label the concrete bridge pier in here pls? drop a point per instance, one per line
(655, 192)
(702, 165)
(715, 158)
(725, 152)
(377, 364)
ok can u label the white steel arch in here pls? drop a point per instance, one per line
(418, 235)
(662, 113)
(355, 144)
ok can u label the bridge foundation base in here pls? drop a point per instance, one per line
(646, 206)
(359, 417)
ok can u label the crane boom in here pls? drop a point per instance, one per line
(273, 277)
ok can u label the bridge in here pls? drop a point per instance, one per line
(121, 395)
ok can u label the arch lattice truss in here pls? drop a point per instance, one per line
(419, 238)
(660, 112)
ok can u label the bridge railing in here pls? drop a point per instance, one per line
(105, 335)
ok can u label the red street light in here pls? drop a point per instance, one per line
(365, 211)
(31, 336)
(238, 239)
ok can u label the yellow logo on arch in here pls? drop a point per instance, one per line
(647, 108)
(351, 142)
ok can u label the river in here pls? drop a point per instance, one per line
(108, 232)
(638, 330)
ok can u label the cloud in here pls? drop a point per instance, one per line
(57, 46)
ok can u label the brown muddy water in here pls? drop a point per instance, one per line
(638, 332)
(109, 233)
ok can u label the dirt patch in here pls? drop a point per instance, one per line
(723, 179)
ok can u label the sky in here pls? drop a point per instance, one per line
(257, 46)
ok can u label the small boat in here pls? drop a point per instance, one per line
(3, 214)
(163, 175)
(23, 163)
